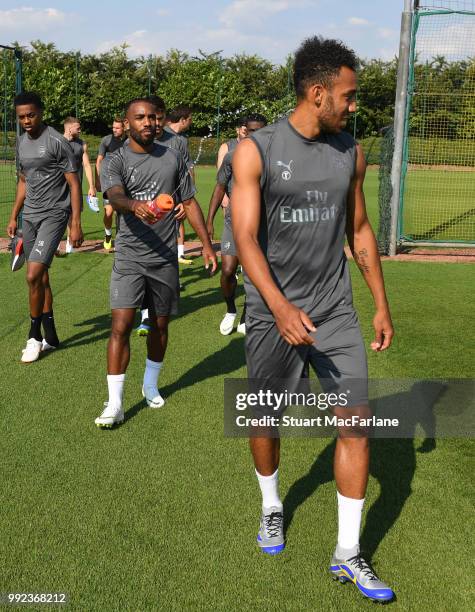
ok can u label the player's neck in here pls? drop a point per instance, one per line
(305, 121)
(139, 148)
(37, 133)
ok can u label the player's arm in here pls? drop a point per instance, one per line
(223, 149)
(293, 323)
(215, 202)
(99, 159)
(364, 247)
(122, 203)
(17, 206)
(194, 215)
(88, 171)
(76, 235)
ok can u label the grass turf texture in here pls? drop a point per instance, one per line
(162, 513)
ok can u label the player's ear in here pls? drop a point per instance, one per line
(126, 124)
(316, 94)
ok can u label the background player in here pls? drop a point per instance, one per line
(108, 145)
(72, 131)
(145, 262)
(229, 258)
(298, 189)
(230, 145)
(178, 122)
(48, 190)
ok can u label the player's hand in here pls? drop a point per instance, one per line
(210, 230)
(75, 235)
(11, 228)
(92, 192)
(294, 324)
(179, 212)
(143, 212)
(210, 258)
(384, 330)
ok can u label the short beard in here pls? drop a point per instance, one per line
(327, 126)
(139, 139)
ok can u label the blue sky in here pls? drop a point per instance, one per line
(269, 28)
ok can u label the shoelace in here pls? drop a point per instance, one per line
(273, 523)
(363, 566)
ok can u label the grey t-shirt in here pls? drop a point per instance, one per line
(176, 141)
(144, 176)
(43, 161)
(110, 144)
(304, 189)
(77, 145)
(232, 144)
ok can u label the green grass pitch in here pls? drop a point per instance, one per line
(162, 513)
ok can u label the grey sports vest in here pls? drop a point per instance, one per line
(304, 189)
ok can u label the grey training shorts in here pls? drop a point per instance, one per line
(134, 283)
(228, 246)
(338, 356)
(41, 238)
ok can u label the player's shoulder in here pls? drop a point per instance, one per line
(162, 150)
(56, 138)
(343, 141)
(106, 140)
(265, 135)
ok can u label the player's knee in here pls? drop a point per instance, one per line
(121, 328)
(34, 276)
(162, 325)
(228, 272)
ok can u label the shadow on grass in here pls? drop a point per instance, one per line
(99, 329)
(393, 464)
(225, 361)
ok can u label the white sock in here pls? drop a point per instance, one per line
(108, 231)
(181, 250)
(349, 523)
(144, 314)
(270, 489)
(115, 382)
(152, 370)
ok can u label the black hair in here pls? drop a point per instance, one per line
(256, 117)
(179, 112)
(134, 100)
(319, 60)
(158, 102)
(28, 97)
(240, 121)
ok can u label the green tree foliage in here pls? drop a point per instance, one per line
(239, 84)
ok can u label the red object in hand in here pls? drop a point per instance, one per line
(161, 205)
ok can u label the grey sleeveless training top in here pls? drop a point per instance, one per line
(304, 188)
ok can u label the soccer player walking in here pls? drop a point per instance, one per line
(108, 145)
(48, 190)
(229, 258)
(179, 121)
(146, 253)
(298, 190)
(72, 131)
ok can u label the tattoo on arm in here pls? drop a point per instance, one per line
(361, 259)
